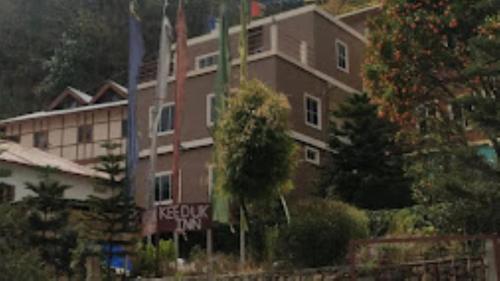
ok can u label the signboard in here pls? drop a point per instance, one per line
(184, 217)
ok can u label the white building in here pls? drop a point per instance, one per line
(26, 163)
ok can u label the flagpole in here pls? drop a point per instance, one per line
(180, 83)
(244, 17)
(160, 99)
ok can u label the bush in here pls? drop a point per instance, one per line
(145, 264)
(320, 231)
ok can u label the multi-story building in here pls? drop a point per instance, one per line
(75, 125)
(311, 56)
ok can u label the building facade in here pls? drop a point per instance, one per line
(312, 57)
(26, 164)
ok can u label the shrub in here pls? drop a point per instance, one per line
(145, 264)
(320, 231)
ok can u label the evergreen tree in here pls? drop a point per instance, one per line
(18, 260)
(48, 216)
(365, 166)
(112, 220)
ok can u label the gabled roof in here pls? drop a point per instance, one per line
(117, 89)
(15, 153)
(42, 114)
(79, 96)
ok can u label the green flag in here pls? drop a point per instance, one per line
(223, 63)
(220, 198)
(244, 18)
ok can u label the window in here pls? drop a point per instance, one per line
(41, 140)
(166, 124)
(85, 134)
(3, 131)
(124, 128)
(207, 60)
(313, 111)
(163, 188)
(211, 110)
(460, 112)
(312, 155)
(255, 40)
(7, 193)
(342, 54)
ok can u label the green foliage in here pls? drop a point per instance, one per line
(255, 155)
(19, 265)
(145, 263)
(320, 232)
(365, 166)
(412, 221)
(48, 214)
(112, 219)
(422, 51)
(460, 189)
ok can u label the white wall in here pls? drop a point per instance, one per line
(81, 187)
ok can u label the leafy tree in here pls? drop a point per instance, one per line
(255, 155)
(320, 232)
(48, 215)
(365, 166)
(72, 64)
(460, 190)
(428, 54)
(112, 218)
(423, 51)
(18, 261)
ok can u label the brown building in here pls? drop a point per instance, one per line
(312, 57)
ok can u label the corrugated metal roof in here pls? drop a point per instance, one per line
(29, 156)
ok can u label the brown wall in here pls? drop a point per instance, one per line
(359, 21)
(195, 176)
(195, 103)
(325, 34)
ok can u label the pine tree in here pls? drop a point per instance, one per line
(365, 166)
(112, 220)
(48, 216)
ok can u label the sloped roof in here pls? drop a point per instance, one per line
(76, 94)
(42, 114)
(12, 152)
(85, 97)
(110, 85)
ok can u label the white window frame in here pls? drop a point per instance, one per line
(210, 123)
(204, 56)
(164, 202)
(151, 117)
(338, 43)
(314, 150)
(318, 100)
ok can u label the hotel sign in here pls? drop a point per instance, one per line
(184, 217)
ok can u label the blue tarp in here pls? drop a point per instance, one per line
(118, 258)
(488, 153)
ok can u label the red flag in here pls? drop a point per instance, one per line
(180, 76)
(256, 9)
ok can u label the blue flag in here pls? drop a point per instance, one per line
(136, 53)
